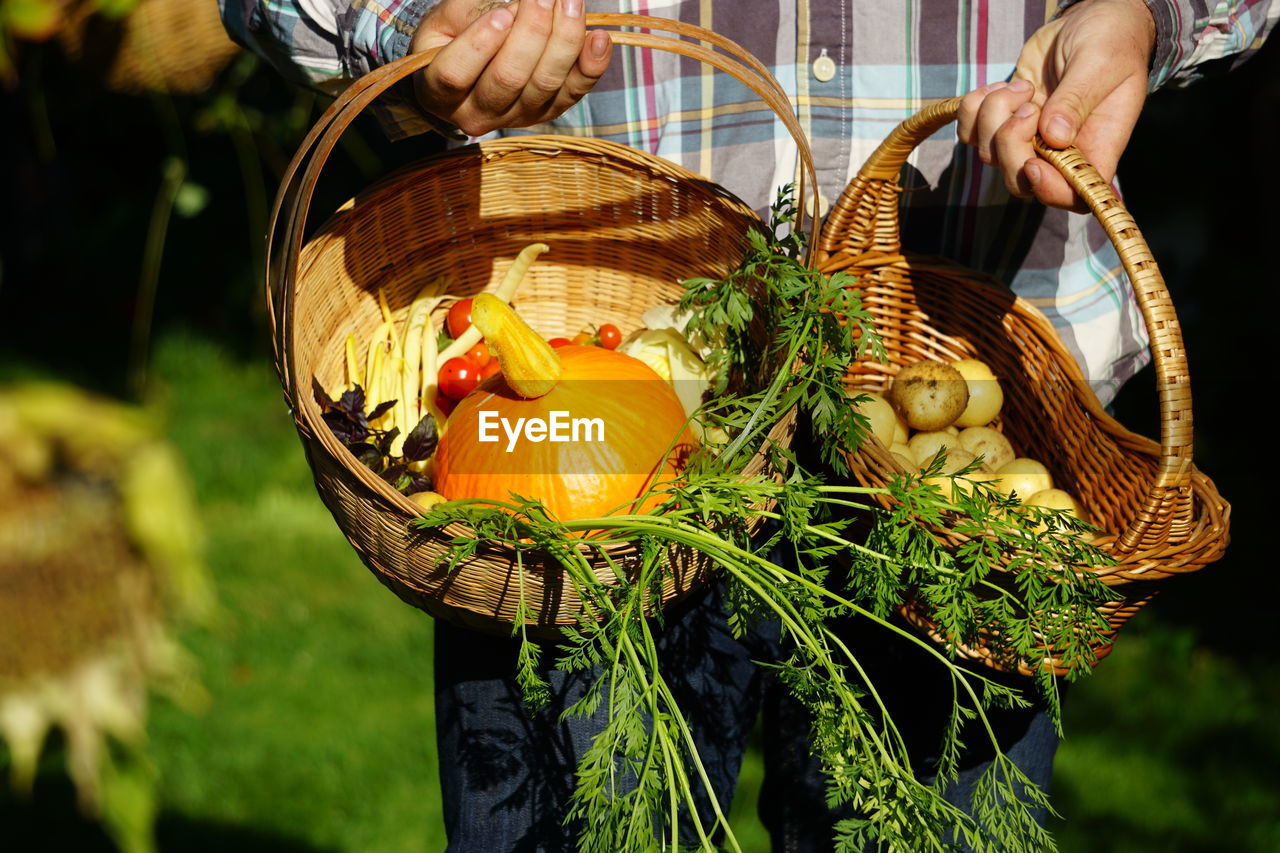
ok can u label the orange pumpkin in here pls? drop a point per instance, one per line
(600, 429)
(618, 422)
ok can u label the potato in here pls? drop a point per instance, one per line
(879, 413)
(985, 395)
(925, 445)
(904, 459)
(1022, 478)
(963, 484)
(958, 458)
(971, 368)
(426, 500)
(929, 395)
(990, 444)
(1056, 499)
(900, 432)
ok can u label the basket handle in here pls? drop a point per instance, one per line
(287, 224)
(865, 220)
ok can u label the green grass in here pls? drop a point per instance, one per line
(1171, 746)
(320, 728)
(319, 731)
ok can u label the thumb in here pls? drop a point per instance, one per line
(448, 19)
(1085, 82)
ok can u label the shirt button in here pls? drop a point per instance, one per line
(818, 210)
(824, 68)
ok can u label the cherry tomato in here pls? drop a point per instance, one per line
(581, 339)
(610, 336)
(556, 343)
(458, 378)
(479, 354)
(459, 318)
(489, 369)
(445, 405)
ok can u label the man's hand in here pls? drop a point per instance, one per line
(506, 66)
(1081, 80)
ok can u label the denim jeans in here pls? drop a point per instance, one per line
(507, 775)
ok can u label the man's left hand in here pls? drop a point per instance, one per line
(1081, 79)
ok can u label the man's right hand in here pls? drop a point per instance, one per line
(506, 66)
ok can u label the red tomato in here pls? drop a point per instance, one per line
(459, 318)
(556, 343)
(489, 369)
(610, 336)
(581, 339)
(458, 378)
(445, 405)
(479, 354)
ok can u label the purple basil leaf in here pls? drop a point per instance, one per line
(381, 409)
(421, 443)
(323, 400)
(342, 427)
(352, 400)
(368, 455)
(384, 440)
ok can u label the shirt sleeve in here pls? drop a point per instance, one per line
(1191, 33)
(326, 44)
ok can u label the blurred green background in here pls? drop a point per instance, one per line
(131, 260)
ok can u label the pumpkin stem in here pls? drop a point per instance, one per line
(530, 366)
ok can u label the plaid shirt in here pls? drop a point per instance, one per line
(889, 58)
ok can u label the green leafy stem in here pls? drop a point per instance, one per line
(1020, 582)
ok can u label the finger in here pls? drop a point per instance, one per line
(1089, 77)
(449, 79)
(1011, 148)
(447, 20)
(1025, 175)
(503, 83)
(995, 111)
(967, 116)
(568, 33)
(593, 61)
(1049, 187)
(584, 74)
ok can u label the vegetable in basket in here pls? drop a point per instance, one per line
(584, 429)
(392, 423)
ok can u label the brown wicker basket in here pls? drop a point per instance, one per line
(624, 228)
(1161, 516)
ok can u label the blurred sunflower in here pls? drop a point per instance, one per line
(134, 46)
(99, 557)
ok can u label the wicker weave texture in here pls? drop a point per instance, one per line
(1162, 517)
(624, 228)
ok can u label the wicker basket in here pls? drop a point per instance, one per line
(1162, 517)
(624, 228)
